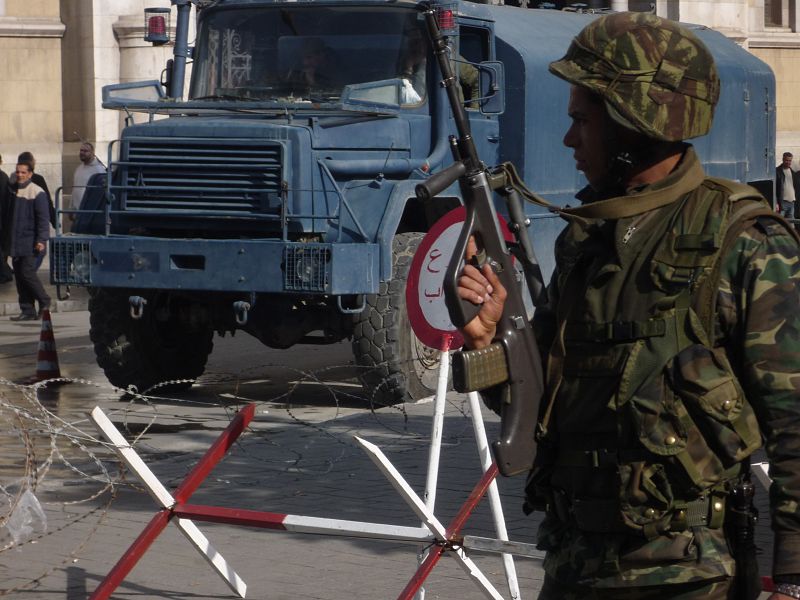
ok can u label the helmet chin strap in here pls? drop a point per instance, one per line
(626, 151)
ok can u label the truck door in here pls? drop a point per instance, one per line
(473, 48)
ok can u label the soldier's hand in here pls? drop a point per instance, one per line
(480, 286)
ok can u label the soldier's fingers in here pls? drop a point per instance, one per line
(495, 288)
(472, 290)
(476, 274)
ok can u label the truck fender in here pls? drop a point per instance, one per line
(390, 222)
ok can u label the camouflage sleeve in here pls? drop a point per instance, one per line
(759, 314)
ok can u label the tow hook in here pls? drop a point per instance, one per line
(137, 306)
(240, 309)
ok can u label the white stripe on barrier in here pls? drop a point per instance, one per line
(162, 496)
(418, 506)
(359, 529)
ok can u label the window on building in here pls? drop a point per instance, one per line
(773, 13)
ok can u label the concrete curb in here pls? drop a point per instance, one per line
(58, 306)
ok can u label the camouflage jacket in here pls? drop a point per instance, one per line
(756, 337)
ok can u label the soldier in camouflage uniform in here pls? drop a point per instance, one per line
(672, 337)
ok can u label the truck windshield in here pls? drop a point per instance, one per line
(308, 54)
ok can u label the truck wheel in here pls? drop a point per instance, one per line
(147, 351)
(396, 366)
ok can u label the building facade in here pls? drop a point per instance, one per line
(31, 34)
(60, 53)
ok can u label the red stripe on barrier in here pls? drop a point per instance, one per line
(426, 566)
(767, 585)
(132, 555)
(472, 501)
(187, 487)
(232, 516)
(215, 453)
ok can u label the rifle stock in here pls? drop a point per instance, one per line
(512, 361)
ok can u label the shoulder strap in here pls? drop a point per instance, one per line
(746, 206)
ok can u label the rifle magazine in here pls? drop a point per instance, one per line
(475, 370)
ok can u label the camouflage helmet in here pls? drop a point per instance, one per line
(655, 75)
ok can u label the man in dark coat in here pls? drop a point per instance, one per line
(6, 275)
(29, 231)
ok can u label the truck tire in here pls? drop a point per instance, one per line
(395, 366)
(145, 352)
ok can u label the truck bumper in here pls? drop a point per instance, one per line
(215, 265)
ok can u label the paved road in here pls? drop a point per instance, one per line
(298, 457)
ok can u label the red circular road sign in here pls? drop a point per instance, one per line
(427, 311)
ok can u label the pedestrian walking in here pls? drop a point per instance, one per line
(787, 187)
(29, 232)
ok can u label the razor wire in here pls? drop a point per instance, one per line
(55, 450)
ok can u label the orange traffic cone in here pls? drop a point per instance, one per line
(47, 359)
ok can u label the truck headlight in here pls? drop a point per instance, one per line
(306, 267)
(81, 266)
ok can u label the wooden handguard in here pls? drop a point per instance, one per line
(475, 370)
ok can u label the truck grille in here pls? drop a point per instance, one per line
(202, 175)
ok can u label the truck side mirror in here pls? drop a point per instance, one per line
(492, 79)
(166, 75)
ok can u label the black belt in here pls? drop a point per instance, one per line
(603, 457)
(604, 515)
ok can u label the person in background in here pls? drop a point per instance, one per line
(787, 187)
(28, 158)
(88, 167)
(6, 274)
(29, 231)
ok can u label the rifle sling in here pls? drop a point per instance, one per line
(619, 207)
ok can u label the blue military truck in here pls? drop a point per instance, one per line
(277, 198)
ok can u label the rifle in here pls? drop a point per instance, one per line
(512, 360)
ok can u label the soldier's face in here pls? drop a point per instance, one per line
(586, 135)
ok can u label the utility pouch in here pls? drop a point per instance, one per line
(715, 401)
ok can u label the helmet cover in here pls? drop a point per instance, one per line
(655, 74)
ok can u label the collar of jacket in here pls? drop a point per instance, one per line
(687, 176)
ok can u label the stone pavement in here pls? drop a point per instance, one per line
(287, 462)
(78, 298)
